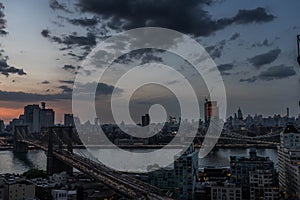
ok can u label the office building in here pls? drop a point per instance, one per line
(289, 162)
(263, 185)
(47, 116)
(32, 117)
(15, 187)
(240, 168)
(186, 173)
(225, 191)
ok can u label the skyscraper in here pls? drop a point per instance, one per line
(32, 117)
(211, 110)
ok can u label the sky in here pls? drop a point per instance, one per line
(253, 43)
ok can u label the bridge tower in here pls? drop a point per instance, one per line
(55, 165)
(20, 133)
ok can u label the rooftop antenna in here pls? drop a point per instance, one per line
(298, 47)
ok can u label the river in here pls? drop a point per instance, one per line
(12, 163)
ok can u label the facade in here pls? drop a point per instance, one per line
(36, 118)
(226, 191)
(145, 120)
(240, 168)
(186, 173)
(64, 194)
(69, 120)
(263, 185)
(15, 188)
(162, 178)
(289, 162)
(211, 110)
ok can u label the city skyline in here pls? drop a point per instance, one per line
(257, 68)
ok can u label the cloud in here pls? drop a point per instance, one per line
(215, 51)
(224, 68)
(45, 82)
(85, 22)
(65, 89)
(249, 80)
(277, 72)
(2, 21)
(273, 73)
(257, 15)
(185, 16)
(84, 43)
(71, 68)
(266, 58)
(6, 69)
(102, 88)
(234, 36)
(55, 5)
(265, 43)
(66, 81)
(30, 97)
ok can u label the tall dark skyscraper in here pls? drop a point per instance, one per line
(145, 120)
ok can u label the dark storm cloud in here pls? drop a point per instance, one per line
(234, 36)
(184, 16)
(257, 15)
(102, 88)
(55, 5)
(215, 51)
(249, 80)
(2, 20)
(6, 69)
(224, 68)
(66, 81)
(273, 73)
(30, 97)
(277, 72)
(45, 33)
(86, 22)
(71, 68)
(265, 43)
(266, 58)
(65, 89)
(45, 82)
(72, 40)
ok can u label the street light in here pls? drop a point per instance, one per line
(298, 46)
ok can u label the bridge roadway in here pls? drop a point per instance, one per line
(125, 185)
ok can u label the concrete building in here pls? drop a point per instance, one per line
(16, 188)
(289, 162)
(226, 191)
(240, 168)
(32, 117)
(263, 185)
(47, 116)
(163, 179)
(186, 173)
(64, 194)
(36, 118)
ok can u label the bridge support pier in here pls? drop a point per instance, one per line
(20, 132)
(55, 165)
